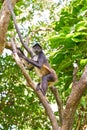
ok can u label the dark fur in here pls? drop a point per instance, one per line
(43, 69)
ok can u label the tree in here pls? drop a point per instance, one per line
(69, 46)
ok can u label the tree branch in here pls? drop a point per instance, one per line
(17, 28)
(75, 72)
(39, 30)
(29, 81)
(8, 45)
(4, 22)
(77, 91)
(59, 102)
(39, 94)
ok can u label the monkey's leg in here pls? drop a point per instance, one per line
(44, 83)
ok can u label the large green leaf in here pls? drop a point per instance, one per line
(82, 25)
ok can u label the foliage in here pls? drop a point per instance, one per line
(70, 41)
(19, 106)
(71, 38)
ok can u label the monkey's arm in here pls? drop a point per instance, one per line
(36, 64)
(41, 59)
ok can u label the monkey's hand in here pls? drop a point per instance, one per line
(20, 52)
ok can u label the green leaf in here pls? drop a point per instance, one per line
(83, 62)
(82, 25)
(56, 40)
(79, 40)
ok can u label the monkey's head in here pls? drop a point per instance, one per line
(37, 48)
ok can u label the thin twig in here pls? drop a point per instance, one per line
(29, 50)
(59, 102)
(16, 27)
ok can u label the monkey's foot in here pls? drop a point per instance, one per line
(37, 88)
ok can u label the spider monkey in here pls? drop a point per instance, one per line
(39, 61)
(44, 71)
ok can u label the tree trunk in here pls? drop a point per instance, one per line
(4, 22)
(77, 91)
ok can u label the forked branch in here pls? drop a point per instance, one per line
(71, 105)
(39, 93)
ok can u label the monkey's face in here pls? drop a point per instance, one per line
(37, 49)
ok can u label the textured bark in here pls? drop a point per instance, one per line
(77, 91)
(8, 45)
(4, 22)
